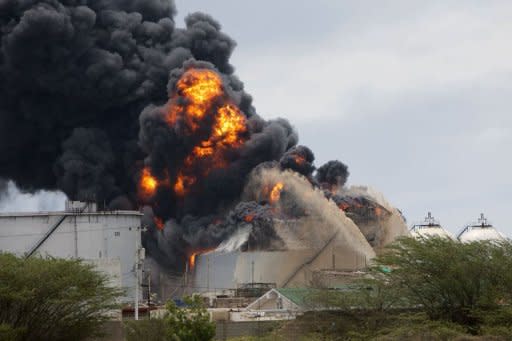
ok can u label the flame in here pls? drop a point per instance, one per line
(205, 97)
(193, 255)
(200, 87)
(299, 159)
(148, 183)
(343, 206)
(248, 218)
(159, 223)
(182, 183)
(275, 193)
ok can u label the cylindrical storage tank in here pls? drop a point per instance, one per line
(106, 239)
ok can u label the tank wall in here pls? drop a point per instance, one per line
(104, 237)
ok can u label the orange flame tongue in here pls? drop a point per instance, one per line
(159, 223)
(275, 193)
(192, 257)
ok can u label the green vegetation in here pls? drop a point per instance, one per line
(418, 289)
(184, 324)
(451, 281)
(52, 299)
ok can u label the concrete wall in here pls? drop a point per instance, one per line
(104, 237)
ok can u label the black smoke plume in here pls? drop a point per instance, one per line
(167, 149)
(83, 91)
(299, 159)
(75, 77)
(332, 175)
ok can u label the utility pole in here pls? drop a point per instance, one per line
(252, 273)
(139, 255)
(208, 274)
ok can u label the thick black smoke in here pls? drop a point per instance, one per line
(168, 147)
(332, 175)
(75, 77)
(260, 220)
(3, 188)
(84, 88)
(299, 159)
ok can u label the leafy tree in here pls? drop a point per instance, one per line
(182, 324)
(192, 324)
(52, 299)
(459, 282)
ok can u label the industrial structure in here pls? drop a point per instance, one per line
(318, 251)
(230, 266)
(480, 231)
(111, 240)
(430, 228)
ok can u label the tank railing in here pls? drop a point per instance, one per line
(52, 229)
(463, 230)
(309, 261)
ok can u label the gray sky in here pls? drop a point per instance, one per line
(414, 96)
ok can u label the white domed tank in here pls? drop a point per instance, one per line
(481, 231)
(430, 228)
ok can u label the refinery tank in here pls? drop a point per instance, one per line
(480, 231)
(230, 266)
(430, 228)
(107, 239)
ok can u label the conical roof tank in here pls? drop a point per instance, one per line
(480, 231)
(430, 228)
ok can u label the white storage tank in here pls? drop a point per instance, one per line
(108, 239)
(481, 231)
(430, 228)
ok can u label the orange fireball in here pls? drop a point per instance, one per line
(148, 183)
(205, 98)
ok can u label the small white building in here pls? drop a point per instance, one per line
(107, 239)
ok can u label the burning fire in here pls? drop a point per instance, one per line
(299, 159)
(248, 218)
(206, 99)
(159, 223)
(275, 193)
(148, 183)
(193, 255)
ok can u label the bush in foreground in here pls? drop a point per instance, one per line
(184, 324)
(52, 299)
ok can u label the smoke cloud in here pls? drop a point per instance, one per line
(75, 77)
(332, 175)
(96, 101)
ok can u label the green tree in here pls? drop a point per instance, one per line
(459, 282)
(52, 299)
(191, 323)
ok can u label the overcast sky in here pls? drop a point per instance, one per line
(413, 96)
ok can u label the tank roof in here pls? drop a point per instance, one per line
(60, 213)
(480, 231)
(430, 228)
